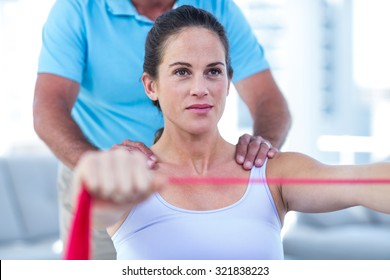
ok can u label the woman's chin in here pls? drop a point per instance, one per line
(201, 131)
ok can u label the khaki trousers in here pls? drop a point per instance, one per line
(102, 246)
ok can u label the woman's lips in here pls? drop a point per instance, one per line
(199, 108)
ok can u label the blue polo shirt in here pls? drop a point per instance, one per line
(100, 45)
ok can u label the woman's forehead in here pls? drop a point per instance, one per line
(193, 33)
(194, 41)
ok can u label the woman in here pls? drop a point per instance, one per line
(187, 74)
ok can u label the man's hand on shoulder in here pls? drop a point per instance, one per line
(253, 150)
(132, 146)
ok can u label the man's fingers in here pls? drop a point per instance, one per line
(262, 153)
(253, 150)
(272, 152)
(254, 153)
(242, 147)
(138, 146)
(132, 146)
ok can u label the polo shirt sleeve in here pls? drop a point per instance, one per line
(246, 53)
(63, 49)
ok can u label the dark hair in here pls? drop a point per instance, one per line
(171, 23)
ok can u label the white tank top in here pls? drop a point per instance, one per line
(247, 229)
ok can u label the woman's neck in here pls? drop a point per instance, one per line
(152, 9)
(199, 154)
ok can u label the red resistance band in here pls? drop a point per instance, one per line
(78, 246)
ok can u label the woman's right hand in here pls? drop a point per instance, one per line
(114, 176)
(117, 180)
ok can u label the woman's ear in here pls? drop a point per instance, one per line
(150, 86)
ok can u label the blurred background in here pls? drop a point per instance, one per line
(331, 59)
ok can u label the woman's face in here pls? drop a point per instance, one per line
(192, 82)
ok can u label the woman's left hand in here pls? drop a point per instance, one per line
(253, 150)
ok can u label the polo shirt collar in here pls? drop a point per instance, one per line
(121, 7)
(125, 7)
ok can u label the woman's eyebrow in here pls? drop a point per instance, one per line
(180, 63)
(215, 64)
(189, 65)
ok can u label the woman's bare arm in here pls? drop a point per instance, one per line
(324, 194)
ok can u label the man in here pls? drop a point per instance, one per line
(89, 95)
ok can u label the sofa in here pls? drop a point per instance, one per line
(355, 233)
(29, 208)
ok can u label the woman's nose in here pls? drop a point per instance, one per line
(199, 87)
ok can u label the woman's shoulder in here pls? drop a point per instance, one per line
(285, 157)
(286, 162)
(276, 164)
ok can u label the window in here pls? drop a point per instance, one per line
(20, 36)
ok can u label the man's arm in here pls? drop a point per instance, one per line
(267, 105)
(53, 101)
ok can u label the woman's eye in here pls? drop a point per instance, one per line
(181, 72)
(214, 72)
